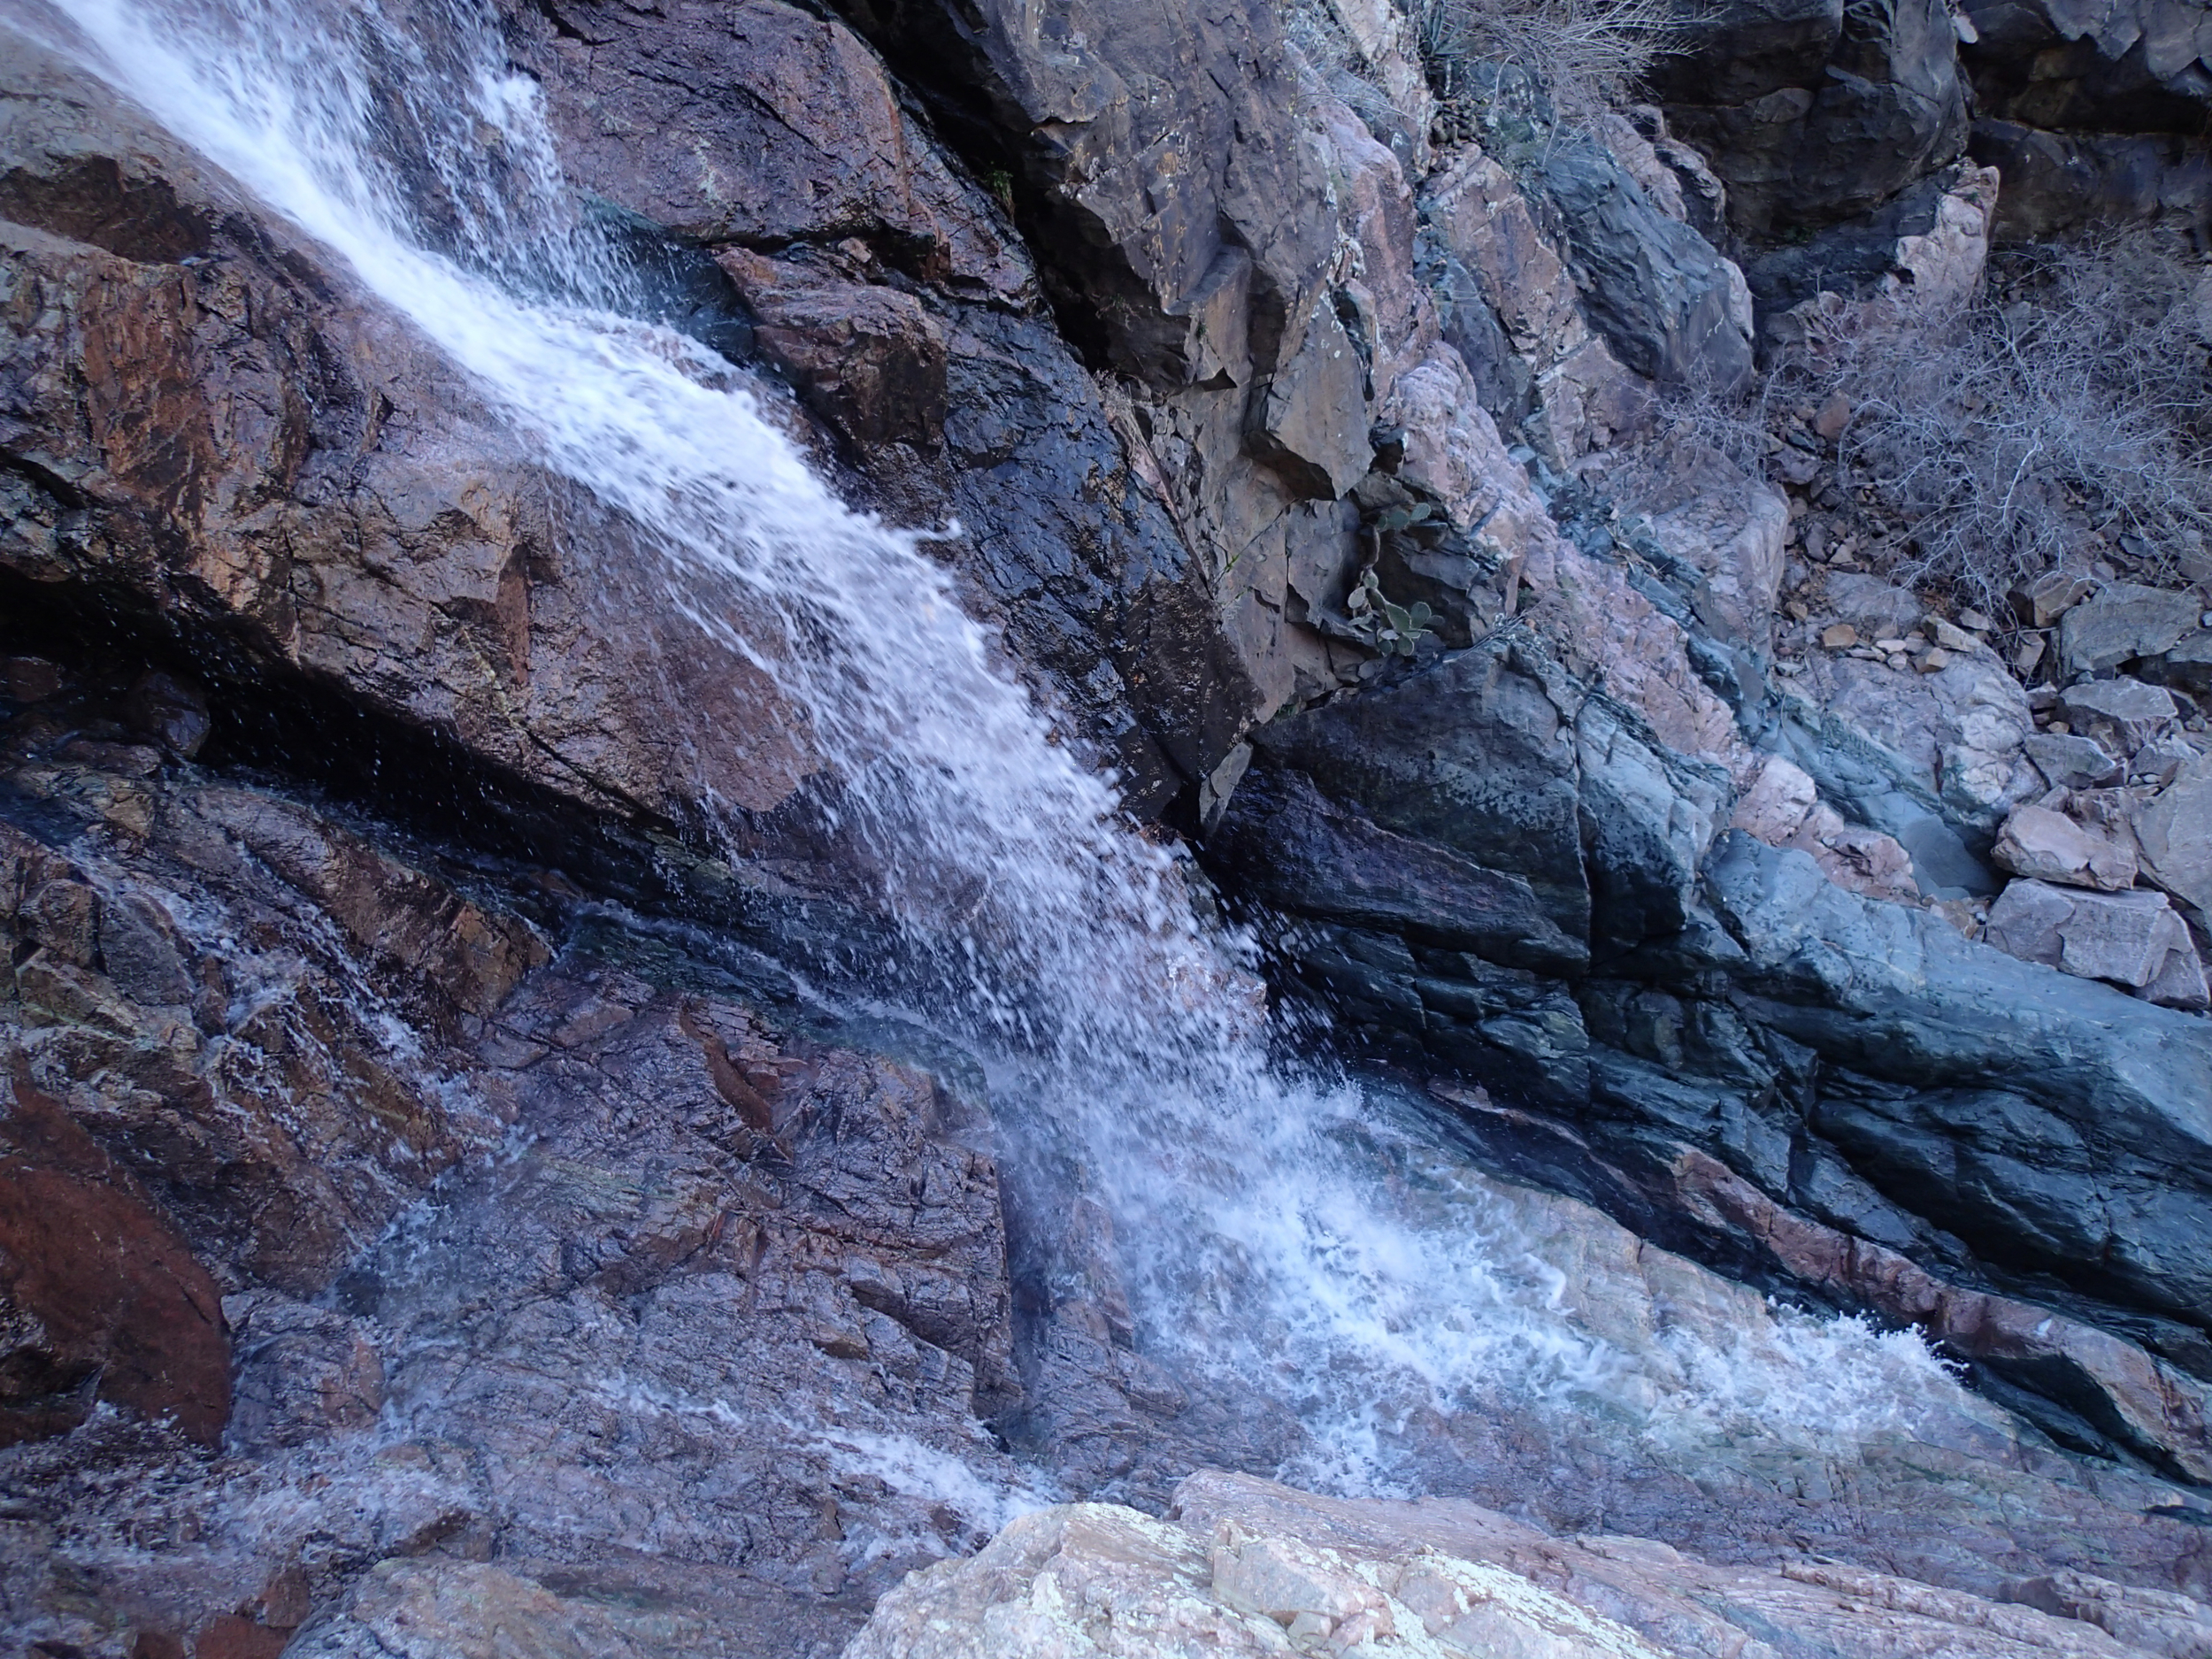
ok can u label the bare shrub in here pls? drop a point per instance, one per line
(1311, 28)
(2064, 416)
(1584, 55)
(2006, 434)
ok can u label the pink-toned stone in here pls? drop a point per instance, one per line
(2051, 846)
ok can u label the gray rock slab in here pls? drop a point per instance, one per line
(2180, 983)
(2123, 622)
(2174, 833)
(2091, 1111)
(2068, 762)
(2026, 920)
(1875, 608)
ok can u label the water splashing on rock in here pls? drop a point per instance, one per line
(1280, 1232)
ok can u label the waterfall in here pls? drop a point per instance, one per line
(1282, 1228)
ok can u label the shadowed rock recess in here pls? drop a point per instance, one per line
(486, 1165)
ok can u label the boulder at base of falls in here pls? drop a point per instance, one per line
(1244, 1566)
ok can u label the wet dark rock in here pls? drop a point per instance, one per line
(431, 1200)
(1659, 292)
(200, 1162)
(1805, 138)
(891, 291)
(1294, 850)
(2059, 181)
(2005, 1126)
(275, 476)
(868, 359)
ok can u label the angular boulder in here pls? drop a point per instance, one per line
(2123, 714)
(2051, 846)
(2174, 833)
(2123, 622)
(2069, 762)
(1313, 421)
(2126, 937)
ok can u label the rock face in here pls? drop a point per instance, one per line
(1244, 1566)
(243, 1037)
(445, 1209)
(1499, 878)
(888, 289)
(1815, 113)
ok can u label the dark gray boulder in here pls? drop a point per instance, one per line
(1804, 140)
(1659, 292)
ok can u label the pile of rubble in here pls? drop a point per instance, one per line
(2106, 832)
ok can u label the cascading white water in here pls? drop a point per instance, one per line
(1273, 1231)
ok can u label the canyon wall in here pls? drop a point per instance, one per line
(430, 1183)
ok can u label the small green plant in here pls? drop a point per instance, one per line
(1000, 183)
(1394, 629)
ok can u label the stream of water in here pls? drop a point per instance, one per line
(1274, 1225)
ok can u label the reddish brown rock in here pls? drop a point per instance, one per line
(118, 1295)
(235, 1637)
(868, 359)
(761, 124)
(260, 450)
(195, 991)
